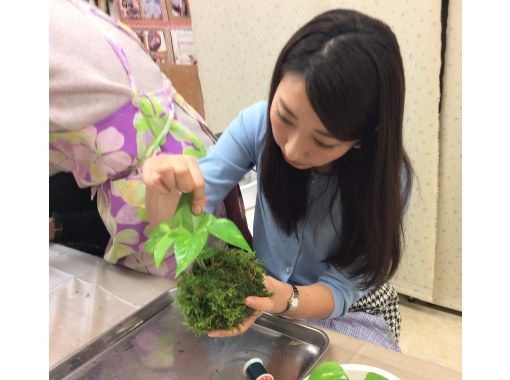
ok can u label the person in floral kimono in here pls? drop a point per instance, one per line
(110, 109)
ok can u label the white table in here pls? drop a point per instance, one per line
(89, 295)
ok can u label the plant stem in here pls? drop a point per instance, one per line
(200, 262)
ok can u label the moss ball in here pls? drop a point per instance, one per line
(212, 297)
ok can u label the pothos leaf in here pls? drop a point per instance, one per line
(162, 248)
(152, 241)
(187, 248)
(163, 228)
(205, 220)
(226, 230)
(183, 217)
(154, 237)
(176, 220)
(185, 230)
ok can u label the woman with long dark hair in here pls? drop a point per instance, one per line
(334, 177)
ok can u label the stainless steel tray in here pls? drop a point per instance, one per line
(153, 344)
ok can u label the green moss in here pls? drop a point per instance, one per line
(211, 297)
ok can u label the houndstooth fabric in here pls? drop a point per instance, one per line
(382, 301)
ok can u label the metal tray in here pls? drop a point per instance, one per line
(153, 344)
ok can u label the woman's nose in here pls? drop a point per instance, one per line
(295, 148)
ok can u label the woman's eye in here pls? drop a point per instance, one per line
(323, 146)
(286, 121)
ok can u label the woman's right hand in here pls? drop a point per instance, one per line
(166, 173)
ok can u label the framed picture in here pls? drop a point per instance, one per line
(163, 27)
(183, 45)
(129, 9)
(153, 10)
(157, 40)
(179, 8)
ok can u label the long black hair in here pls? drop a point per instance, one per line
(354, 80)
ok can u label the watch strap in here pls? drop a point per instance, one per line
(290, 303)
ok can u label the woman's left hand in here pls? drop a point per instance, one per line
(275, 304)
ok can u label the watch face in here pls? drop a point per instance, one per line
(294, 302)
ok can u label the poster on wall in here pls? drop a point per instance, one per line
(157, 40)
(183, 46)
(179, 8)
(142, 10)
(164, 27)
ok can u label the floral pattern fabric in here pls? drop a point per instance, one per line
(108, 155)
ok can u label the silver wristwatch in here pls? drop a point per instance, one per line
(293, 302)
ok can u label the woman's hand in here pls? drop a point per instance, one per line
(166, 173)
(275, 304)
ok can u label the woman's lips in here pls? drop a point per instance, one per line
(294, 163)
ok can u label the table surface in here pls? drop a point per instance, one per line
(88, 296)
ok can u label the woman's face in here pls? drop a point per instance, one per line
(304, 140)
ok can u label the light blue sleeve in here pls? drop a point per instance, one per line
(234, 154)
(343, 288)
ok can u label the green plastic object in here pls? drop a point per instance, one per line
(328, 371)
(374, 376)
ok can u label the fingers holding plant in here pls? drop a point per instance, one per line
(280, 291)
(259, 305)
(205, 275)
(166, 173)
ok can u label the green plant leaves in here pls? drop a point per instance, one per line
(185, 231)
(183, 217)
(226, 230)
(159, 242)
(205, 220)
(161, 230)
(187, 248)
(188, 233)
(162, 247)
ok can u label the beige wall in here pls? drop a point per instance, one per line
(238, 42)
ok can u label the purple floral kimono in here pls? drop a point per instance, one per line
(108, 155)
